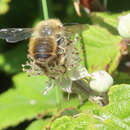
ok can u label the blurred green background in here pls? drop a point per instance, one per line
(26, 13)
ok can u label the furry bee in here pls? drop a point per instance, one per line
(47, 46)
(46, 41)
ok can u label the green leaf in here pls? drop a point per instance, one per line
(38, 124)
(69, 112)
(114, 116)
(83, 121)
(121, 77)
(90, 106)
(107, 20)
(117, 112)
(25, 101)
(102, 49)
(119, 98)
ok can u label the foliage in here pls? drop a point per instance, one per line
(100, 48)
(113, 116)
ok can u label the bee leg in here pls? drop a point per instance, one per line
(61, 50)
(61, 59)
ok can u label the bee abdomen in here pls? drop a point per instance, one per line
(42, 56)
(44, 48)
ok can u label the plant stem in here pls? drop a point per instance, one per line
(45, 10)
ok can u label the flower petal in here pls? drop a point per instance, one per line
(65, 83)
(78, 73)
(49, 85)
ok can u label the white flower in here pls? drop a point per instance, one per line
(124, 26)
(76, 73)
(65, 81)
(101, 81)
(73, 70)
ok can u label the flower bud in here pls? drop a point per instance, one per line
(100, 81)
(124, 26)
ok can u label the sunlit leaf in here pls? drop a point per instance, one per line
(113, 116)
(25, 101)
(107, 20)
(38, 124)
(102, 49)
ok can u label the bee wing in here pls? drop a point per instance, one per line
(76, 28)
(14, 35)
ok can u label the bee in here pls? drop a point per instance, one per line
(46, 41)
(48, 45)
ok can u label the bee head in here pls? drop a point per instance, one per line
(46, 31)
(50, 27)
